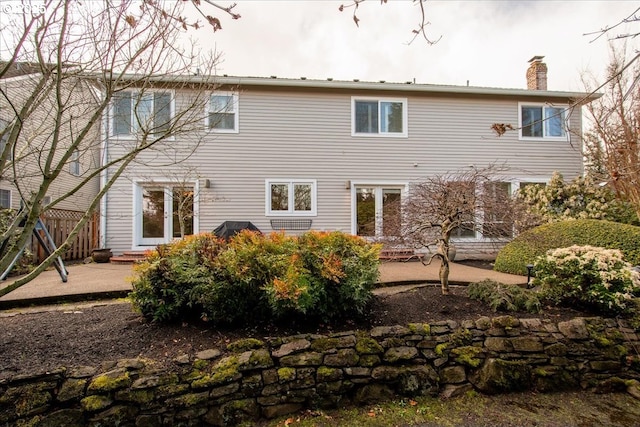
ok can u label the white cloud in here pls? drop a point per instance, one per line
(485, 42)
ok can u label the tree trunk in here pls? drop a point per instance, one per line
(444, 276)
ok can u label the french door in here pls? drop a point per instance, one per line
(163, 213)
(378, 210)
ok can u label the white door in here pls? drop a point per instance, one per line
(164, 212)
(378, 211)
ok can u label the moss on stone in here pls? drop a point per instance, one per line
(200, 364)
(506, 322)
(324, 344)
(136, 396)
(420, 328)
(245, 344)
(366, 345)
(616, 352)
(260, 359)
(461, 337)
(369, 360)
(109, 381)
(467, 355)
(224, 371)
(441, 348)
(95, 403)
(325, 373)
(286, 374)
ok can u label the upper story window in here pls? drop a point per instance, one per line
(135, 112)
(222, 113)
(379, 116)
(5, 199)
(291, 197)
(74, 163)
(542, 121)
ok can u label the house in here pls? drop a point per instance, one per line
(26, 158)
(34, 140)
(298, 154)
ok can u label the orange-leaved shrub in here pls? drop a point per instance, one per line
(255, 277)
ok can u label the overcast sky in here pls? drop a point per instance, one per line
(487, 43)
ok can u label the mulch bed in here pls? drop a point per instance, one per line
(38, 342)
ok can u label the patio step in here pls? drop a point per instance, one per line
(399, 255)
(128, 257)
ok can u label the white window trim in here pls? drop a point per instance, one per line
(133, 136)
(236, 111)
(75, 168)
(402, 185)
(405, 118)
(10, 197)
(137, 186)
(290, 182)
(543, 105)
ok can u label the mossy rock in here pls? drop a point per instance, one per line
(286, 374)
(533, 243)
(225, 371)
(423, 329)
(502, 376)
(366, 345)
(113, 380)
(246, 344)
(95, 403)
(467, 355)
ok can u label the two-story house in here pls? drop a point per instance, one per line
(296, 154)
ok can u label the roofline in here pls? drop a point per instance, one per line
(368, 86)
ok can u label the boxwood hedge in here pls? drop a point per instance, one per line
(524, 249)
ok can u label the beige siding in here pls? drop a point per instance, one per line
(35, 140)
(307, 135)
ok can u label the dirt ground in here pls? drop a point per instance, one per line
(93, 333)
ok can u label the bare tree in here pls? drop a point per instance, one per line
(447, 205)
(88, 61)
(419, 31)
(612, 144)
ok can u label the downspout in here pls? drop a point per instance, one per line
(104, 175)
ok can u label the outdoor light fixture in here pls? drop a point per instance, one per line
(529, 273)
(347, 185)
(207, 183)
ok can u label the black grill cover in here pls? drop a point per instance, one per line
(228, 229)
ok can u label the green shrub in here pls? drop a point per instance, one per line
(533, 243)
(501, 297)
(162, 289)
(587, 276)
(256, 277)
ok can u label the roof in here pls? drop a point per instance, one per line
(18, 69)
(380, 86)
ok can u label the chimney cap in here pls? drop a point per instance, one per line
(536, 58)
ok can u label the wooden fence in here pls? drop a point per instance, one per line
(60, 223)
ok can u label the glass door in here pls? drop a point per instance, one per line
(165, 212)
(378, 211)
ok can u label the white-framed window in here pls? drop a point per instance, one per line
(379, 116)
(149, 112)
(222, 113)
(541, 121)
(74, 163)
(4, 138)
(291, 197)
(5, 199)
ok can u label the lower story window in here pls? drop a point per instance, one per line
(290, 197)
(5, 199)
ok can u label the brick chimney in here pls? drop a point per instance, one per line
(537, 74)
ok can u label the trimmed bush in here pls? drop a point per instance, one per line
(587, 276)
(502, 297)
(533, 243)
(256, 277)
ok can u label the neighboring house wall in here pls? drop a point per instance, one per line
(302, 131)
(35, 139)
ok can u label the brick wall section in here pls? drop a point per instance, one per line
(252, 378)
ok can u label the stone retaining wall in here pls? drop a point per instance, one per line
(253, 378)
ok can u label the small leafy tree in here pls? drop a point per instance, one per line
(582, 198)
(445, 205)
